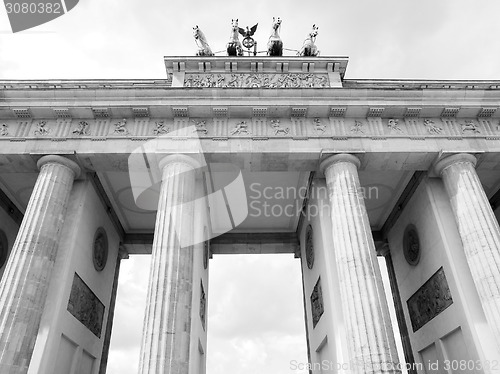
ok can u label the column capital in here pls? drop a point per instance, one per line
(55, 159)
(179, 158)
(445, 162)
(341, 157)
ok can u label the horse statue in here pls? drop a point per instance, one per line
(201, 42)
(234, 47)
(275, 45)
(309, 48)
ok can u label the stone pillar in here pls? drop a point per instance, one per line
(478, 230)
(24, 287)
(371, 344)
(167, 323)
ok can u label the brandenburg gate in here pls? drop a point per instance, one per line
(184, 168)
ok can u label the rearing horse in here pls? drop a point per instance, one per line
(234, 47)
(309, 48)
(275, 45)
(201, 42)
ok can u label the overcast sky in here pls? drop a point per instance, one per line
(437, 39)
(425, 39)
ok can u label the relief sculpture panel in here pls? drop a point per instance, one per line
(317, 306)
(429, 300)
(84, 305)
(288, 80)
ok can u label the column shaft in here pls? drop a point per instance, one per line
(25, 284)
(478, 230)
(371, 344)
(167, 324)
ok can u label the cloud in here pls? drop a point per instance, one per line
(384, 39)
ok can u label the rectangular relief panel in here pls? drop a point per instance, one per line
(203, 306)
(317, 303)
(430, 300)
(84, 305)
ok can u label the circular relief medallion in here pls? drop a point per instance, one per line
(4, 248)
(309, 247)
(100, 250)
(411, 245)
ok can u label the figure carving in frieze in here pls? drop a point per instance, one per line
(253, 80)
(309, 47)
(234, 47)
(220, 81)
(201, 127)
(4, 130)
(275, 44)
(82, 128)
(120, 127)
(470, 126)
(160, 128)
(431, 128)
(275, 124)
(358, 127)
(234, 81)
(41, 129)
(393, 125)
(319, 126)
(201, 41)
(240, 129)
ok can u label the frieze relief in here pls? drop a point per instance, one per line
(262, 128)
(41, 128)
(280, 80)
(82, 129)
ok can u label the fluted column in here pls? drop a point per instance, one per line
(371, 344)
(167, 323)
(478, 230)
(24, 286)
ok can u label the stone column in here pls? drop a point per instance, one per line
(478, 230)
(24, 286)
(371, 344)
(167, 323)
